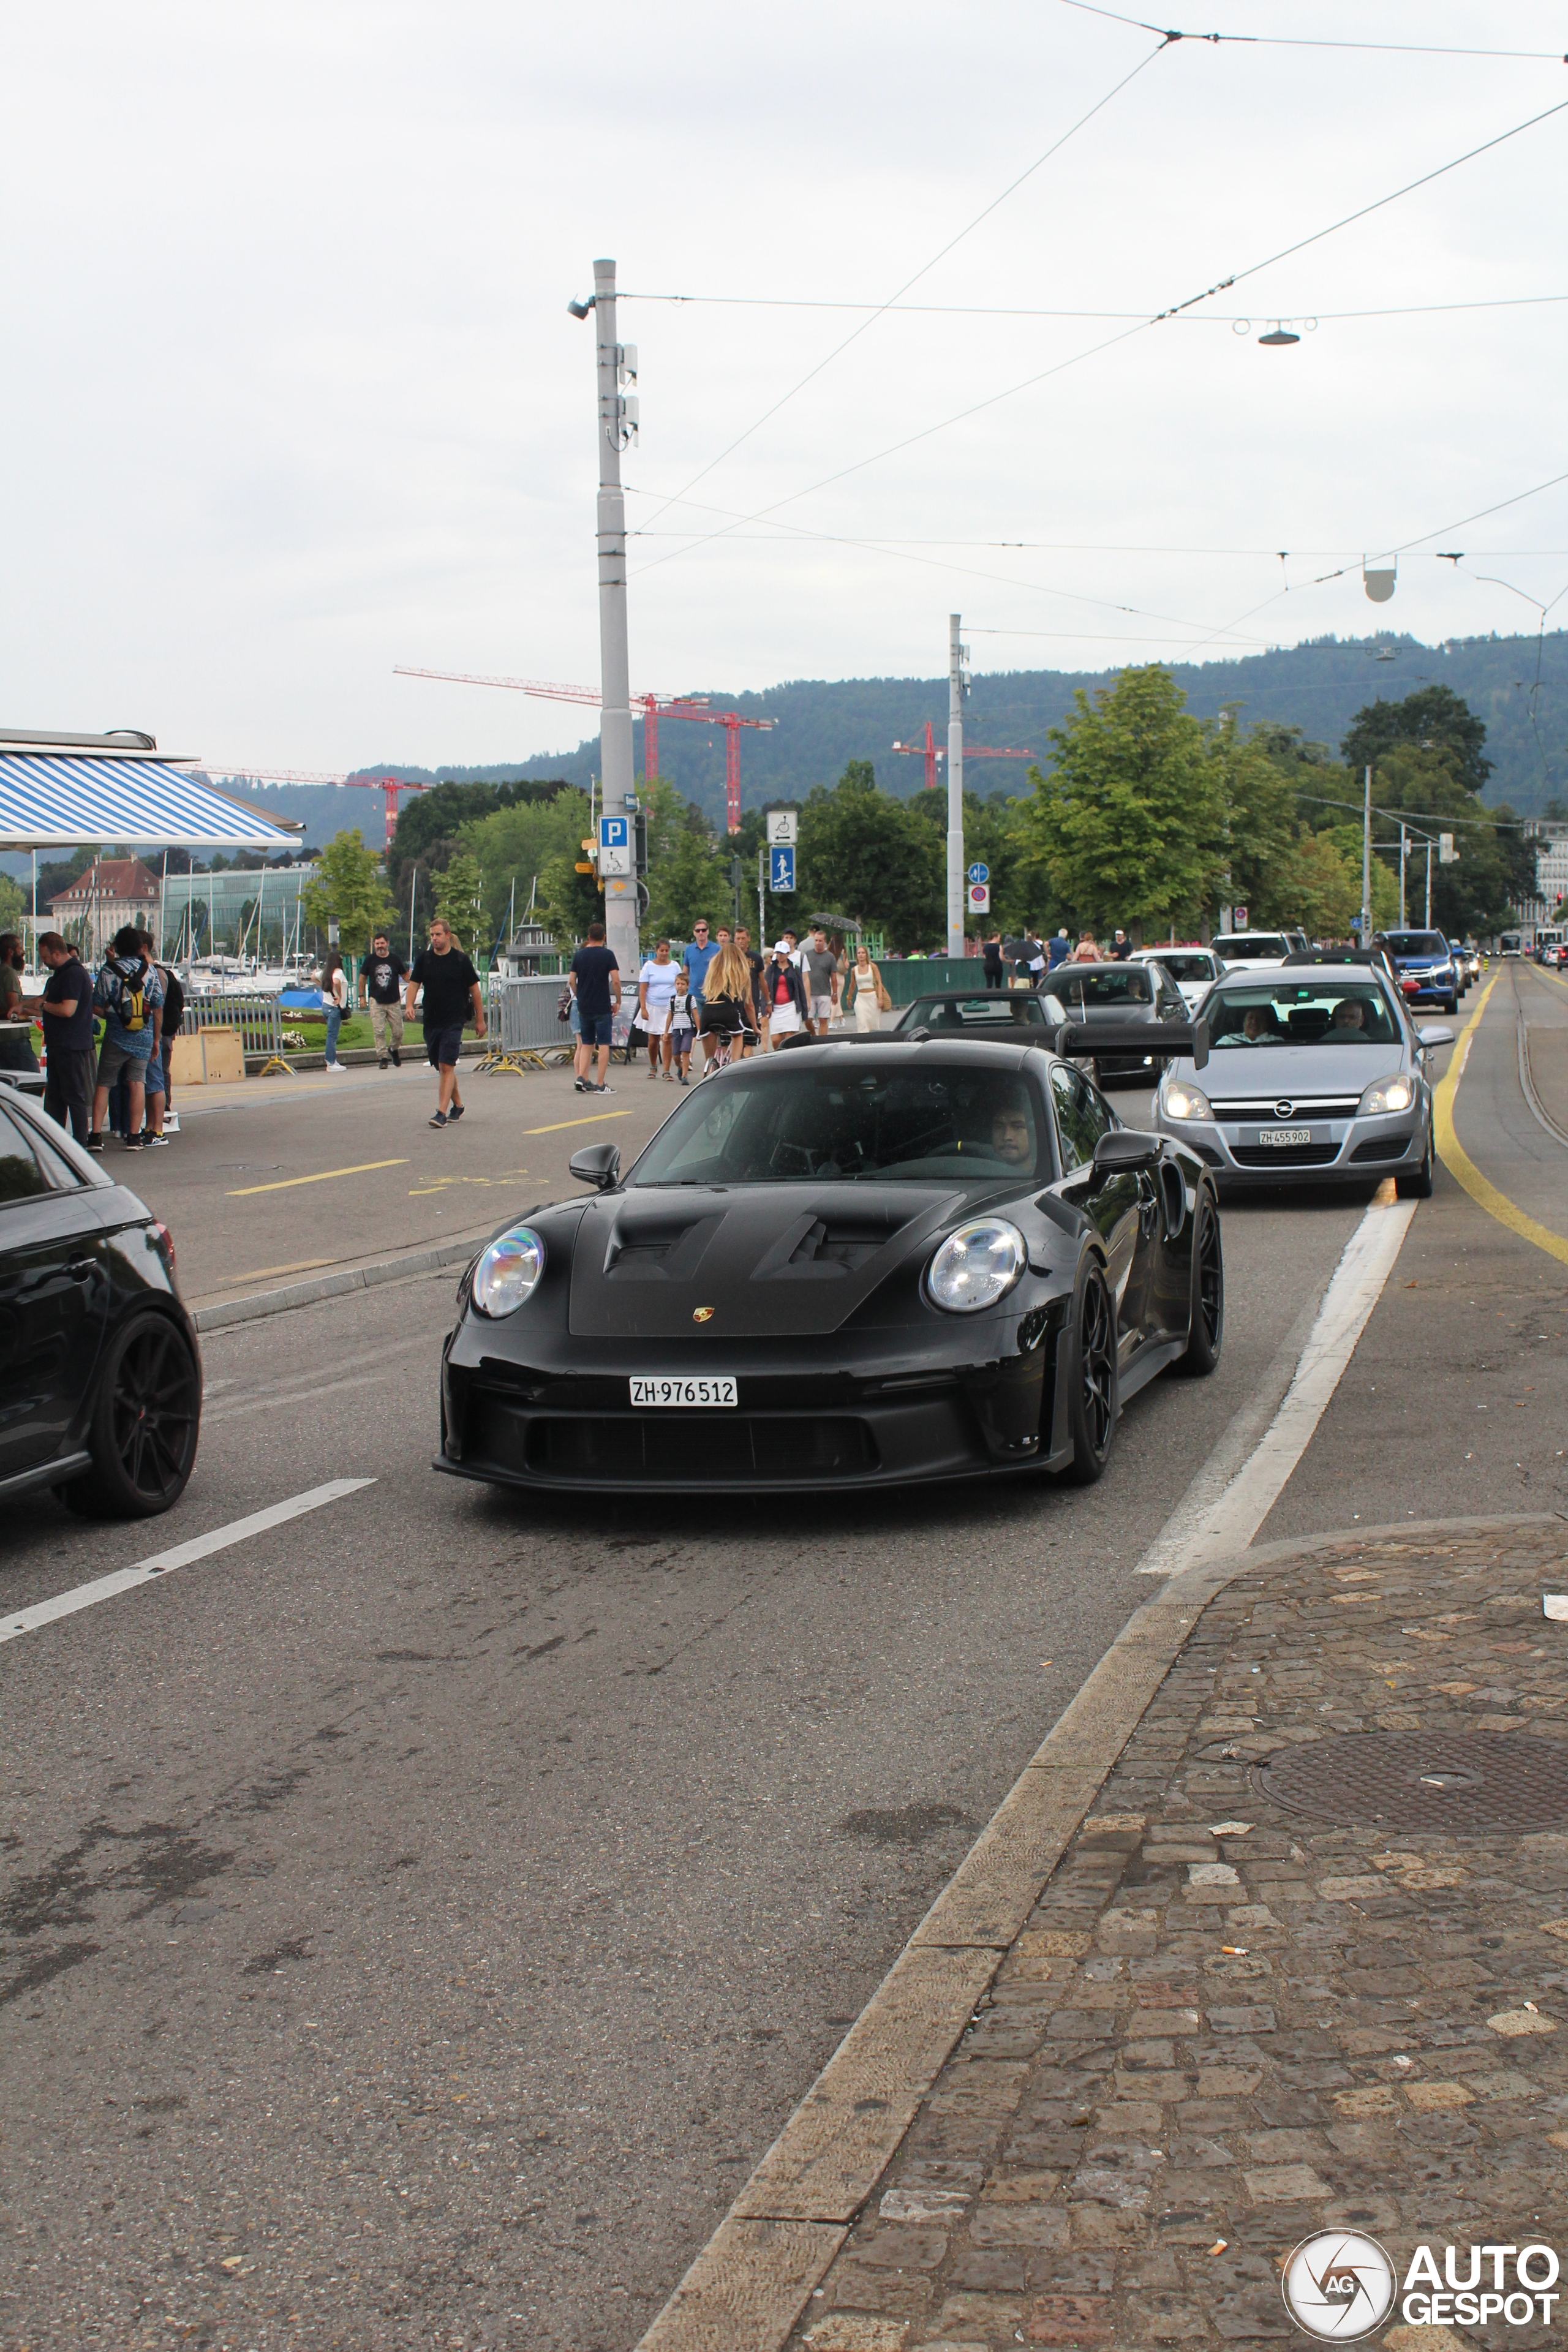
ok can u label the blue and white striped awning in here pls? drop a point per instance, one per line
(57, 799)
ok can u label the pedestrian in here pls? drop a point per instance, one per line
(597, 977)
(1121, 948)
(698, 955)
(1060, 948)
(452, 987)
(170, 1026)
(335, 993)
(381, 989)
(785, 995)
(1086, 949)
(864, 989)
(70, 1062)
(156, 1082)
(130, 993)
(657, 984)
(17, 1041)
(728, 1007)
(819, 969)
(682, 1029)
(1034, 956)
(991, 956)
(744, 941)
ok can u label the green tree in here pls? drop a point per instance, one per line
(863, 853)
(347, 886)
(1129, 822)
(688, 872)
(460, 900)
(1259, 799)
(1494, 867)
(1434, 719)
(13, 904)
(1319, 888)
(514, 845)
(1346, 841)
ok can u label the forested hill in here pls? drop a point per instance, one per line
(825, 723)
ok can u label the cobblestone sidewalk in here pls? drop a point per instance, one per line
(1229, 2023)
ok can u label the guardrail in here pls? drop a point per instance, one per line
(525, 1031)
(260, 1021)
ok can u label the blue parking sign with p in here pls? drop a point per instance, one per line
(781, 865)
(612, 833)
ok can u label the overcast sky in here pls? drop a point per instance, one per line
(291, 394)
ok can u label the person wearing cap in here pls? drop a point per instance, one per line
(783, 994)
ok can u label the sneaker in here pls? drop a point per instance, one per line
(133, 1143)
(155, 1142)
(95, 1144)
(581, 1086)
(338, 1069)
(396, 1059)
(601, 1090)
(455, 1113)
(684, 1079)
(382, 1064)
(439, 1119)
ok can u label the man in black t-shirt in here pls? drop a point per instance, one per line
(67, 1008)
(451, 987)
(380, 978)
(595, 982)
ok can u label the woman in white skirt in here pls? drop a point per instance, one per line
(864, 989)
(655, 1004)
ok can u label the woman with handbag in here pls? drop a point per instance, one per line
(864, 989)
(335, 996)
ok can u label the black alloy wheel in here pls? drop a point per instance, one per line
(146, 1420)
(1416, 1183)
(1205, 1329)
(1093, 1390)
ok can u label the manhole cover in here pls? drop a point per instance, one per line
(1456, 1781)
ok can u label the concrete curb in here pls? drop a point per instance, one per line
(336, 1285)
(750, 2284)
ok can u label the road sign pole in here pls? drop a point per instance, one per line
(615, 670)
(954, 788)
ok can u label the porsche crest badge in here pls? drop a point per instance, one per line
(703, 1314)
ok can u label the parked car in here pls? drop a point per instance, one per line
(103, 1375)
(1193, 969)
(860, 1263)
(1316, 1074)
(1119, 996)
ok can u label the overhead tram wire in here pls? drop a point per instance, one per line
(924, 271)
(1297, 41)
(1362, 212)
(997, 310)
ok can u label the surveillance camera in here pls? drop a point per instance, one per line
(580, 310)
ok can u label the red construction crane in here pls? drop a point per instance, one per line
(390, 786)
(931, 753)
(653, 706)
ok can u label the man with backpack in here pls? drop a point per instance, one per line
(130, 995)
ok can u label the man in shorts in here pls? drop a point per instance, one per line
(130, 995)
(451, 987)
(596, 984)
(380, 984)
(819, 970)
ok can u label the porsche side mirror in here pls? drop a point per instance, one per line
(598, 1164)
(1434, 1034)
(1124, 1150)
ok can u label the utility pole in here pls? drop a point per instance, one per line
(1366, 868)
(616, 428)
(1401, 873)
(957, 685)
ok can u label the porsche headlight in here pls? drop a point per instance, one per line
(1388, 1093)
(976, 1265)
(509, 1271)
(1182, 1101)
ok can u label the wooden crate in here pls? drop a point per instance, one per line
(206, 1057)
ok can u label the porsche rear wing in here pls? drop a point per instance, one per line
(1165, 1040)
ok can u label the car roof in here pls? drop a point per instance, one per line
(1297, 968)
(965, 995)
(963, 1051)
(29, 1110)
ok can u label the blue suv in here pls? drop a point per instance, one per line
(1424, 967)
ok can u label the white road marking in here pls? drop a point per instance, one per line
(125, 1579)
(1243, 1479)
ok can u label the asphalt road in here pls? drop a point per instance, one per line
(419, 1918)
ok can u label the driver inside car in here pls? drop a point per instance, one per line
(1013, 1134)
(1349, 1019)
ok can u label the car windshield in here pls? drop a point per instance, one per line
(998, 1009)
(1415, 943)
(1292, 1012)
(1253, 943)
(1116, 983)
(1186, 967)
(901, 1125)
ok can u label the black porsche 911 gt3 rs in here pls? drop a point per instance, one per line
(856, 1264)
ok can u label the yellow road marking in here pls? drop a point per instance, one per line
(1459, 1164)
(593, 1121)
(285, 1183)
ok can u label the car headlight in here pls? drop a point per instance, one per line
(976, 1265)
(1388, 1093)
(509, 1271)
(1182, 1101)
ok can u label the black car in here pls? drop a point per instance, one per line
(1119, 996)
(975, 1013)
(103, 1380)
(861, 1262)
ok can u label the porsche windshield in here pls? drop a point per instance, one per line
(1120, 983)
(771, 1127)
(1289, 1013)
(949, 1015)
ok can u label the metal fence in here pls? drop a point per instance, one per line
(525, 1032)
(260, 1021)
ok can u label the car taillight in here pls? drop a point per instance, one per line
(164, 1241)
